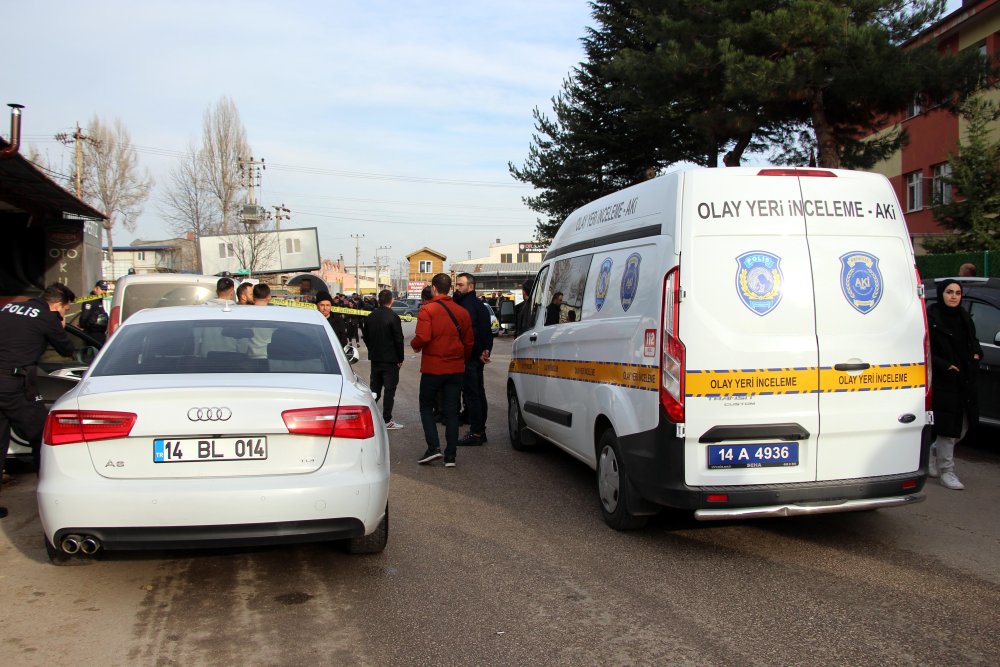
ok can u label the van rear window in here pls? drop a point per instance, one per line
(160, 295)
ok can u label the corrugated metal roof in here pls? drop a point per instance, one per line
(23, 187)
(477, 269)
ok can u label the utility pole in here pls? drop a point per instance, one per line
(77, 138)
(278, 217)
(384, 247)
(357, 259)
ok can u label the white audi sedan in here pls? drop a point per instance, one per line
(215, 425)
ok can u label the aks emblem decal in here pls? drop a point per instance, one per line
(758, 281)
(630, 279)
(861, 280)
(603, 283)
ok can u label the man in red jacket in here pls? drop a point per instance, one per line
(444, 338)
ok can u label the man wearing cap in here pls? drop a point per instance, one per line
(93, 317)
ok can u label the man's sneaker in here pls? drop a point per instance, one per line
(449, 463)
(473, 439)
(430, 455)
(950, 481)
(393, 425)
(932, 469)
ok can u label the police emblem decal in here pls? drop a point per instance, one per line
(603, 283)
(861, 280)
(630, 279)
(759, 280)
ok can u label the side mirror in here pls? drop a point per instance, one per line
(85, 355)
(352, 353)
(506, 312)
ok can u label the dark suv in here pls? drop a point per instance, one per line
(981, 297)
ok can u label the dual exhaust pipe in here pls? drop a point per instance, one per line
(88, 545)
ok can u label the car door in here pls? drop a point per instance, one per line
(986, 317)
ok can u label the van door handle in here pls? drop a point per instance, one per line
(852, 367)
(533, 337)
(789, 432)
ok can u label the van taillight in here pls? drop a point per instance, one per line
(65, 427)
(115, 319)
(672, 352)
(927, 351)
(797, 172)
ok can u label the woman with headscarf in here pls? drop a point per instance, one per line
(955, 355)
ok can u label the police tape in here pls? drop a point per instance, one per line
(288, 303)
(92, 297)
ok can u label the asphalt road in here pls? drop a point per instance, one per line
(505, 560)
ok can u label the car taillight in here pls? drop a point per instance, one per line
(115, 319)
(351, 421)
(927, 352)
(64, 427)
(672, 352)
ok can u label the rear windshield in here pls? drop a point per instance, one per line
(216, 346)
(159, 295)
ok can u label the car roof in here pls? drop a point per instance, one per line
(984, 289)
(216, 310)
(178, 278)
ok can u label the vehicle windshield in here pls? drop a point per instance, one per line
(218, 346)
(160, 295)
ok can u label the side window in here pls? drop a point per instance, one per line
(565, 292)
(537, 294)
(987, 321)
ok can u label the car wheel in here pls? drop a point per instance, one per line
(373, 543)
(56, 556)
(613, 486)
(515, 423)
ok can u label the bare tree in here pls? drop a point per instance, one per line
(257, 248)
(224, 143)
(189, 207)
(112, 180)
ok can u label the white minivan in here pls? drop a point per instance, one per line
(741, 342)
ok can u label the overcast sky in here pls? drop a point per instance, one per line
(392, 119)
(395, 120)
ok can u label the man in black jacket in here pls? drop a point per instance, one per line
(383, 334)
(473, 384)
(93, 317)
(29, 328)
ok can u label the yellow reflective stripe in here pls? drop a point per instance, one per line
(633, 376)
(876, 378)
(703, 383)
(750, 381)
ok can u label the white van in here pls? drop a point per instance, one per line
(742, 342)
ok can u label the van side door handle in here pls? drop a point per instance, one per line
(852, 367)
(533, 337)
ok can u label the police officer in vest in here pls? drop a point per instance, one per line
(29, 328)
(93, 317)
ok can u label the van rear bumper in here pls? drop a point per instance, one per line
(654, 462)
(802, 509)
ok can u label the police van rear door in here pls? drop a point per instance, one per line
(747, 323)
(869, 326)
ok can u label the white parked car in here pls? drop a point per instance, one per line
(215, 426)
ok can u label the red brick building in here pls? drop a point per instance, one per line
(916, 170)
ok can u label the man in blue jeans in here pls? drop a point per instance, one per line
(473, 384)
(444, 339)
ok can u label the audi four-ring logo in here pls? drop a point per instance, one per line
(209, 414)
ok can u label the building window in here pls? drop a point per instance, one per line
(506, 258)
(425, 266)
(293, 246)
(141, 256)
(916, 107)
(940, 189)
(522, 258)
(226, 250)
(914, 191)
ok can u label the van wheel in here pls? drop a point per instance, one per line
(613, 486)
(515, 422)
(374, 543)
